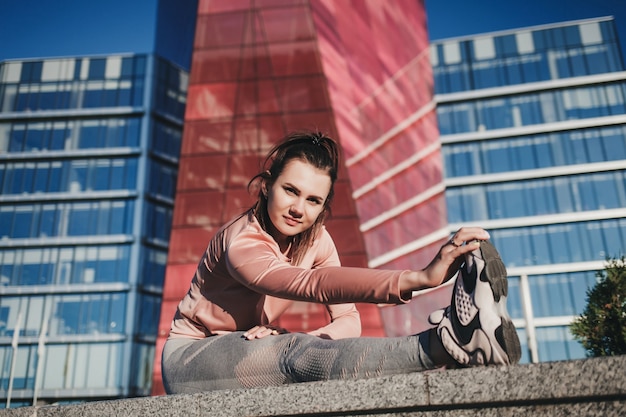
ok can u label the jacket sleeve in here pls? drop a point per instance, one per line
(254, 263)
(345, 320)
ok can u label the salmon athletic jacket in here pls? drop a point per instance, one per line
(243, 280)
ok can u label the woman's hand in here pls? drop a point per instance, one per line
(447, 261)
(259, 332)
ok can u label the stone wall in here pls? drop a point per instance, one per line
(590, 387)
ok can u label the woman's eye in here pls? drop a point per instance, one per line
(290, 190)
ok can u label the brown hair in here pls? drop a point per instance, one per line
(314, 148)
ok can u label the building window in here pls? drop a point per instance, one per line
(88, 314)
(63, 266)
(535, 152)
(484, 48)
(72, 84)
(557, 343)
(561, 243)
(532, 109)
(69, 135)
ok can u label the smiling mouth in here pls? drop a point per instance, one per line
(291, 221)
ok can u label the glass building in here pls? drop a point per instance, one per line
(533, 129)
(88, 164)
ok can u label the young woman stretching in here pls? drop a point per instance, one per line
(223, 336)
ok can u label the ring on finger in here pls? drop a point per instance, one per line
(451, 241)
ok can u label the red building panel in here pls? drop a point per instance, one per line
(188, 244)
(355, 69)
(196, 208)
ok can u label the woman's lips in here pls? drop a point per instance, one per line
(291, 221)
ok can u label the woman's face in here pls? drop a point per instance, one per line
(296, 199)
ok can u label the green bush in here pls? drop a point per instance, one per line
(601, 328)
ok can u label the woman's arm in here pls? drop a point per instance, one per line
(345, 322)
(446, 262)
(255, 262)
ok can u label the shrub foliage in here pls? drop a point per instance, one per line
(601, 328)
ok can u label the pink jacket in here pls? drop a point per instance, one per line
(243, 280)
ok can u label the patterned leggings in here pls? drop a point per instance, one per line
(230, 361)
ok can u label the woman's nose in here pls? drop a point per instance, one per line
(296, 207)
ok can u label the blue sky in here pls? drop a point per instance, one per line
(452, 18)
(42, 28)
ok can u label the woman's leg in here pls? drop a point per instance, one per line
(476, 330)
(230, 361)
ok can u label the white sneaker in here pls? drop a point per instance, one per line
(476, 329)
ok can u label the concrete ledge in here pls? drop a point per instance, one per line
(590, 387)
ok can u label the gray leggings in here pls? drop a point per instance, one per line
(230, 361)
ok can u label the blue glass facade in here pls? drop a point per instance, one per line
(533, 129)
(526, 55)
(89, 151)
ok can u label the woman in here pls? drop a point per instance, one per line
(223, 336)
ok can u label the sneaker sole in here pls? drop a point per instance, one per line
(495, 274)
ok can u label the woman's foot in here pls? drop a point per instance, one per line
(476, 329)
